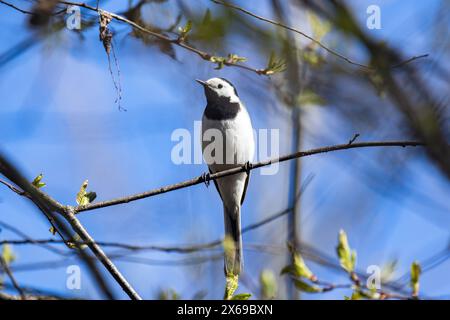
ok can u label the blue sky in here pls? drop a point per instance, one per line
(58, 117)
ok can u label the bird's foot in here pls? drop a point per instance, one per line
(206, 178)
(248, 167)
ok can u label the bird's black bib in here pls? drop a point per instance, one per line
(222, 109)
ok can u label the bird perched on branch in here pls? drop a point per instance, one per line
(227, 142)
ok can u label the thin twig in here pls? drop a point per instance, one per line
(175, 41)
(49, 207)
(24, 194)
(11, 187)
(43, 200)
(5, 267)
(320, 44)
(16, 8)
(28, 239)
(132, 247)
(5, 296)
(203, 178)
(69, 214)
(26, 11)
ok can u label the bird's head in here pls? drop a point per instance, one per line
(217, 89)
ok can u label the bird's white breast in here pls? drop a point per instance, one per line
(237, 137)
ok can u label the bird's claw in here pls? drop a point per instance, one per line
(248, 167)
(206, 178)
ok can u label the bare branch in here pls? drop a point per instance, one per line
(208, 177)
(5, 267)
(5, 296)
(48, 206)
(69, 214)
(175, 41)
(132, 247)
(13, 188)
(15, 7)
(320, 44)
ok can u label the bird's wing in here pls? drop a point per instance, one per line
(245, 188)
(217, 187)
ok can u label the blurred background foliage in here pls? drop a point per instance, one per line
(58, 116)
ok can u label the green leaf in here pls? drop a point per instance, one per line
(76, 239)
(185, 30)
(416, 270)
(356, 295)
(232, 282)
(309, 97)
(274, 65)
(37, 182)
(377, 81)
(319, 27)
(241, 296)
(268, 284)
(234, 58)
(52, 230)
(311, 57)
(83, 197)
(388, 270)
(231, 58)
(298, 268)
(306, 287)
(91, 196)
(169, 294)
(8, 254)
(347, 257)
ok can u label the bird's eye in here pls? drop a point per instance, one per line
(220, 86)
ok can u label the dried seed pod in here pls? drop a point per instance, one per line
(105, 34)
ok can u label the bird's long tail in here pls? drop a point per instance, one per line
(233, 241)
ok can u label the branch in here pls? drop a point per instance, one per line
(5, 296)
(27, 238)
(320, 44)
(28, 12)
(13, 188)
(48, 206)
(132, 247)
(208, 177)
(15, 7)
(44, 201)
(16, 286)
(175, 41)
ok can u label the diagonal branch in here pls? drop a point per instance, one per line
(49, 206)
(16, 286)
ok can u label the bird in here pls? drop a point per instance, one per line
(226, 115)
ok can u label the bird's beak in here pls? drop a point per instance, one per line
(203, 83)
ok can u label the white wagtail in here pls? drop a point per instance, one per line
(226, 115)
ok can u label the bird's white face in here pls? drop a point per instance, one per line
(221, 88)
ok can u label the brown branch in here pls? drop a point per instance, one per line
(28, 12)
(383, 295)
(132, 247)
(5, 296)
(16, 286)
(175, 41)
(69, 214)
(16, 8)
(45, 201)
(208, 177)
(28, 239)
(48, 206)
(320, 44)
(13, 188)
